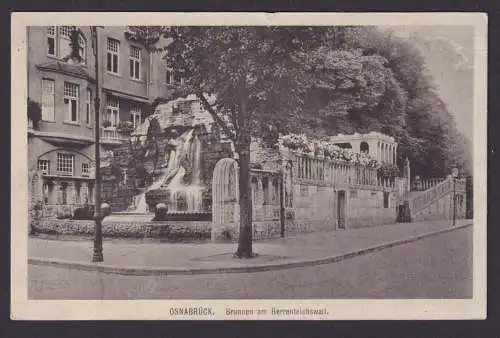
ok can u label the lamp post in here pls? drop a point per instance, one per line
(454, 175)
(98, 255)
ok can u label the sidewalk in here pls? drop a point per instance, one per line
(153, 258)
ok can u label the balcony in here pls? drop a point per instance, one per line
(110, 135)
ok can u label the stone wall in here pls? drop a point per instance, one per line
(442, 208)
(212, 150)
(317, 205)
(366, 208)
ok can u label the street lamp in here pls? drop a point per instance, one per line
(98, 255)
(454, 175)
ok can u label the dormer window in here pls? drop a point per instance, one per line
(59, 42)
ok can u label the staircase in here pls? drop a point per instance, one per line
(433, 200)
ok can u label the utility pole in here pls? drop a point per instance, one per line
(98, 255)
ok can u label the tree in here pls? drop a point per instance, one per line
(247, 78)
(350, 91)
(314, 80)
(425, 128)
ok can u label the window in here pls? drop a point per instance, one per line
(51, 41)
(89, 105)
(64, 40)
(85, 169)
(71, 95)
(48, 97)
(44, 166)
(173, 76)
(135, 115)
(386, 200)
(135, 62)
(59, 42)
(65, 164)
(113, 48)
(112, 111)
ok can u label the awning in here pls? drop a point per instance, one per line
(126, 96)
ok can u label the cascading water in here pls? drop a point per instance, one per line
(190, 193)
(185, 155)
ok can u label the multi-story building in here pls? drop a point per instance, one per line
(61, 147)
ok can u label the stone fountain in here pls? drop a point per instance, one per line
(184, 172)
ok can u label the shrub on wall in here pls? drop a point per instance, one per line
(125, 128)
(388, 170)
(175, 232)
(35, 216)
(290, 214)
(34, 112)
(327, 149)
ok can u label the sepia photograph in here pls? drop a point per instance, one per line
(249, 167)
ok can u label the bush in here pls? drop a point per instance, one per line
(125, 128)
(84, 213)
(63, 215)
(34, 112)
(35, 216)
(388, 170)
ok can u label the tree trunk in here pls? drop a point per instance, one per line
(245, 238)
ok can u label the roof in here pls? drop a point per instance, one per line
(66, 68)
(369, 136)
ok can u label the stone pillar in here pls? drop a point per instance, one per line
(225, 193)
(84, 192)
(259, 198)
(372, 148)
(356, 145)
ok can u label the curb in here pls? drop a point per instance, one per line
(164, 271)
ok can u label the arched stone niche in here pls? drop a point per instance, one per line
(225, 198)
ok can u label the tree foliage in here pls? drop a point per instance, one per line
(411, 110)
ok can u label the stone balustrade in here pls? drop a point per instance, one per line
(438, 191)
(320, 169)
(422, 184)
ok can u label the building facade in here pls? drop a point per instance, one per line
(61, 145)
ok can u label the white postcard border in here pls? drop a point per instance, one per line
(22, 308)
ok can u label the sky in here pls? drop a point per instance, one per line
(449, 52)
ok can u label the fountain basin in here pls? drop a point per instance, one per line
(126, 217)
(186, 217)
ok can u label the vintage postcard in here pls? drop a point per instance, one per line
(248, 166)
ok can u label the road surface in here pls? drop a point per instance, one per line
(434, 267)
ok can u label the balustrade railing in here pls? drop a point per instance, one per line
(340, 173)
(422, 184)
(110, 134)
